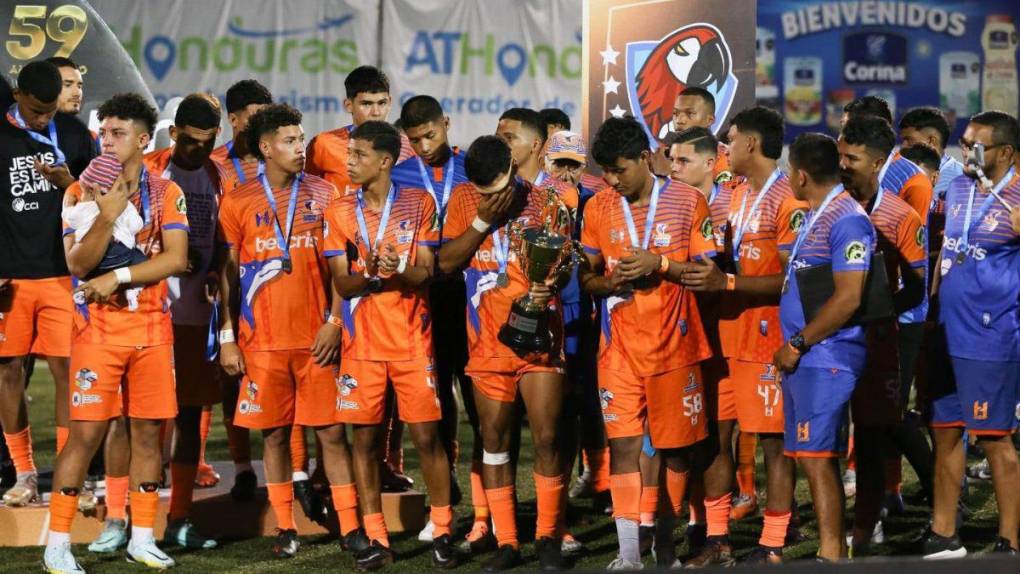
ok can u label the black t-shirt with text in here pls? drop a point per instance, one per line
(30, 231)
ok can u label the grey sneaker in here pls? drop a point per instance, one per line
(112, 538)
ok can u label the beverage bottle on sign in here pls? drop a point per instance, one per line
(999, 40)
(803, 90)
(959, 84)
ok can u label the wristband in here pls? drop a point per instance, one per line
(403, 265)
(335, 321)
(663, 264)
(480, 225)
(226, 336)
(123, 275)
(731, 282)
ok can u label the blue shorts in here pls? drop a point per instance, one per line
(815, 411)
(981, 396)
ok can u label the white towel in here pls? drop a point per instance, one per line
(82, 215)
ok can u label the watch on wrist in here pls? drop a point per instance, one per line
(798, 343)
(375, 285)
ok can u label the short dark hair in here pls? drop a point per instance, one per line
(41, 80)
(1005, 128)
(366, 79)
(619, 137)
(529, 118)
(872, 105)
(702, 138)
(927, 117)
(132, 107)
(381, 135)
(818, 155)
(702, 93)
(197, 111)
(245, 93)
(554, 117)
(765, 122)
(487, 157)
(62, 62)
(923, 156)
(419, 111)
(872, 132)
(267, 121)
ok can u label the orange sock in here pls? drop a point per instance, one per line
(598, 462)
(773, 534)
(375, 528)
(239, 443)
(504, 523)
(62, 433)
(851, 456)
(203, 431)
(144, 506)
(63, 507)
(345, 502)
(281, 498)
(893, 475)
(676, 488)
(697, 500)
(117, 496)
(182, 482)
(20, 446)
(298, 450)
(442, 520)
(478, 499)
(626, 492)
(649, 502)
(717, 513)
(747, 443)
(549, 500)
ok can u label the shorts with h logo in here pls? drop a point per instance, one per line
(981, 396)
(815, 411)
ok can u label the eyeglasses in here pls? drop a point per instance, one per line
(966, 146)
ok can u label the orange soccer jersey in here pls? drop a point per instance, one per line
(770, 228)
(229, 164)
(326, 157)
(655, 329)
(721, 172)
(392, 325)
(138, 316)
(279, 310)
(488, 305)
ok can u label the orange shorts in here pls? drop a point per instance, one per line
(283, 388)
(363, 384)
(722, 405)
(198, 380)
(758, 396)
(497, 379)
(672, 404)
(36, 317)
(108, 381)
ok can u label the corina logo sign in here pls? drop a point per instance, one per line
(255, 50)
(874, 58)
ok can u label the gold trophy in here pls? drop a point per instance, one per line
(544, 253)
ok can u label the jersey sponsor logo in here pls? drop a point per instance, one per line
(797, 219)
(252, 390)
(181, 205)
(724, 177)
(489, 255)
(19, 204)
(749, 251)
(692, 384)
(264, 218)
(615, 236)
(855, 252)
(605, 398)
(706, 228)
(956, 245)
(661, 238)
(919, 237)
(346, 384)
(81, 399)
(85, 378)
(305, 240)
(990, 222)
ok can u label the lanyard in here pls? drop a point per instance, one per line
(965, 236)
(15, 115)
(281, 239)
(501, 247)
(653, 206)
(442, 200)
(885, 168)
(742, 225)
(237, 162)
(359, 211)
(713, 194)
(540, 178)
(803, 234)
(143, 196)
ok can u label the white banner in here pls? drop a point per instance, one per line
(301, 50)
(481, 58)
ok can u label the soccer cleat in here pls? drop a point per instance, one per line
(743, 506)
(893, 504)
(207, 476)
(479, 540)
(850, 483)
(392, 481)
(112, 538)
(764, 556)
(980, 471)
(310, 501)
(1005, 547)
(184, 534)
(59, 560)
(550, 554)
(24, 491)
(444, 555)
(583, 487)
(621, 564)
(505, 558)
(714, 553)
(286, 543)
(87, 499)
(570, 546)
(426, 533)
(697, 537)
(878, 534)
(147, 553)
(354, 541)
(245, 485)
(374, 557)
(937, 547)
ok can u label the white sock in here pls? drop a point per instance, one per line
(240, 467)
(299, 475)
(140, 534)
(56, 539)
(627, 533)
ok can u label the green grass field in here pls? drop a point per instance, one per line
(596, 531)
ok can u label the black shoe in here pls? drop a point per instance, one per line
(373, 557)
(1003, 546)
(286, 544)
(794, 536)
(697, 537)
(354, 541)
(646, 537)
(310, 501)
(937, 547)
(392, 481)
(764, 556)
(444, 554)
(8, 475)
(455, 494)
(550, 554)
(245, 484)
(505, 558)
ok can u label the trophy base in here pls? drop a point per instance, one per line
(526, 332)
